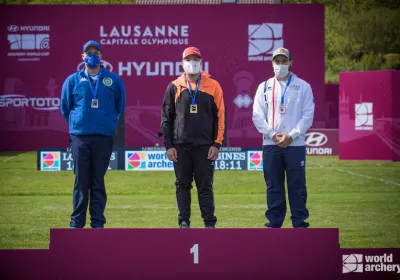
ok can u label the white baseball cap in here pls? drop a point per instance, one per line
(281, 51)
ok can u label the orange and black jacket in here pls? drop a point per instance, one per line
(206, 127)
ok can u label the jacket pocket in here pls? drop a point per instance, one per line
(177, 134)
(293, 102)
(72, 120)
(114, 124)
(179, 126)
(108, 124)
(76, 120)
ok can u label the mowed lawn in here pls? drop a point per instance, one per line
(362, 199)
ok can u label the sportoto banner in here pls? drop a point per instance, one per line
(41, 46)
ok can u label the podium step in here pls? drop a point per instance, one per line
(195, 253)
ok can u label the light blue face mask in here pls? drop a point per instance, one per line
(92, 60)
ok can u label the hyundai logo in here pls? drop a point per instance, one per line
(316, 139)
(13, 28)
(106, 65)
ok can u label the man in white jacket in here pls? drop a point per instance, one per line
(283, 111)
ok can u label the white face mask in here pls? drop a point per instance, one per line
(281, 71)
(192, 66)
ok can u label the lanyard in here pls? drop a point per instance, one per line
(94, 91)
(283, 95)
(197, 88)
(273, 106)
(282, 100)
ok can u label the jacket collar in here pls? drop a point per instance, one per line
(182, 79)
(294, 76)
(103, 71)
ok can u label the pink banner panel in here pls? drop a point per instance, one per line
(368, 122)
(331, 105)
(396, 116)
(41, 46)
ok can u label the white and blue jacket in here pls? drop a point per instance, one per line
(299, 115)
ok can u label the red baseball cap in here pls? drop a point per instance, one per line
(191, 50)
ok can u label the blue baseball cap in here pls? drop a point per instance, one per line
(91, 43)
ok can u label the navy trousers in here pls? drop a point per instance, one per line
(278, 162)
(91, 156)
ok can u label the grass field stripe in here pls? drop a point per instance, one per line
(10, 158)
(360, 175)
(319, 165)
(369, 177)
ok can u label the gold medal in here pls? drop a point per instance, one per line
(193, 108)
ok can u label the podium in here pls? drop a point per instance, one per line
(180, 254)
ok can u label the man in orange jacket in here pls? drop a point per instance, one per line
(193, 128)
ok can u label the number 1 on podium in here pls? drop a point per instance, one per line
(195, 251)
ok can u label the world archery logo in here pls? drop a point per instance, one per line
(263, 40)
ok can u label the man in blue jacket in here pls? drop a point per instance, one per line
(92, 101)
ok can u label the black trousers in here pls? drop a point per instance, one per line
(91, 155)
(193, 162)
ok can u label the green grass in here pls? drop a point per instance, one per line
(363, 204)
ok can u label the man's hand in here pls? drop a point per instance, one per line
(276, 138)
(172, 155)
(212, 153)
(285, 140)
